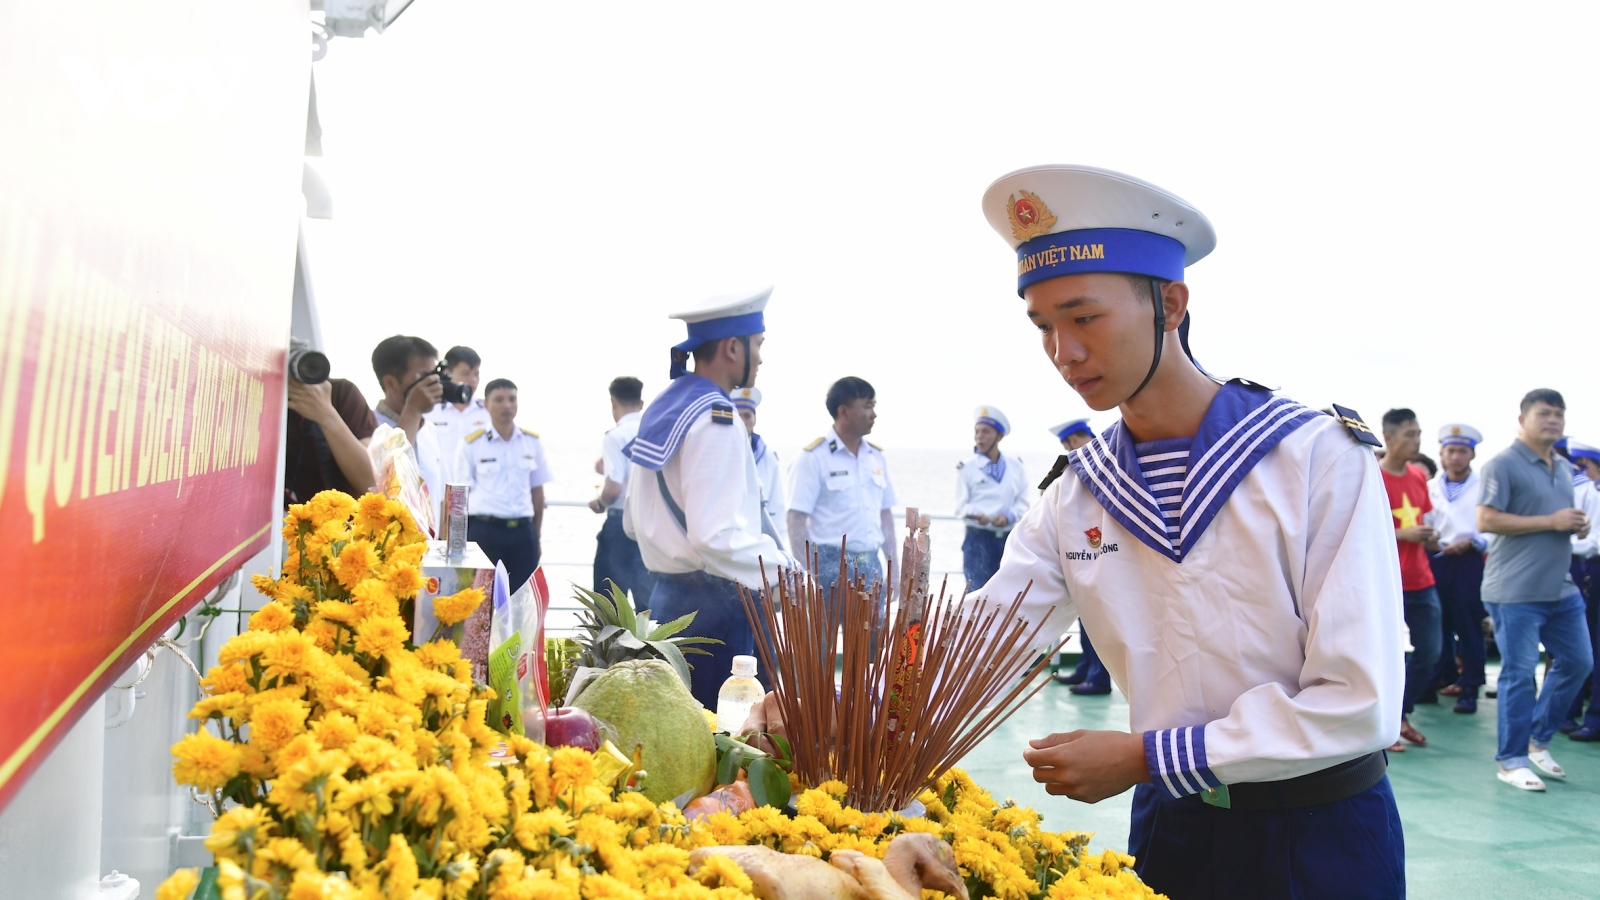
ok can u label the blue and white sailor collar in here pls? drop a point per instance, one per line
(758, 447)
(1244, 422)
(667, 419)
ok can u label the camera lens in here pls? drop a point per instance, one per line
(308, 366)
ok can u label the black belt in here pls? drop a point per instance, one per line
(509, 523)
(612, 511)
(701, 578)
(1330, 785)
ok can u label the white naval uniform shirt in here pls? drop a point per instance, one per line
(502, 472)
(450, 426)
(1587, 499)
(713, 479)
(977, 493)
(1272, 650)
(1456, 519)
(772, 494)
(613, 463)
(844, 493)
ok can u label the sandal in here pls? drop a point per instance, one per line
(1412, 735)
(1453, 690)
(1521, 778)
(1398, 747)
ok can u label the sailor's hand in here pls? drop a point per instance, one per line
(1088, 765)
(998, 521)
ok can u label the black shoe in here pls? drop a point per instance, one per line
(1073, 677)
(1568, 727)
(1492, 693)
(1429, 697)
(1585, 734)
(1090, 690)
(1468, 705)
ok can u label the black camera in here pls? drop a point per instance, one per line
(451, 391)
(306, 365)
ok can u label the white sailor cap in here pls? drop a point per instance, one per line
(1460, 435)
(746, 397)
(1073, 427)
(1067, 220)
(723, 316)
(1578, 450)
(992, 417)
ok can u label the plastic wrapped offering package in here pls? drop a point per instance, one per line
(455, 519)
(399, 478)
(443, 576)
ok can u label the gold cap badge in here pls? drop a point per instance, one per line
(1029, 216)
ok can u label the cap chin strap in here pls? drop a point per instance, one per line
(1161, 336)
(745, 381)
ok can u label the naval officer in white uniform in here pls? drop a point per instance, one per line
(991, 495)
(506, 470)
(1231, 550)
(694, 497)
(745, 401)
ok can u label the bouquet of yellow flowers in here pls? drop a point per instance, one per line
(347, 761)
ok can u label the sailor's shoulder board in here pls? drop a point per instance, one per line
(813, 445)
(961, 465)
(476, 434)
(530, 433)
(1055, 472)
(874, 446)
(722, 413)
(1351, 419)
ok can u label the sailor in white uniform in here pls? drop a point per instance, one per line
(1231, 550)
(991, 495)
(1581, 725)
(745, 401)
(1073, 434)
(1457, 565)
(694, 497)
(506, 471)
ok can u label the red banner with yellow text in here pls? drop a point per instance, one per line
(149, 202)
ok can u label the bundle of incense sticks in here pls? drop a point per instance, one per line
(914, 698)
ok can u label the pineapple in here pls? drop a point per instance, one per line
(613, 632)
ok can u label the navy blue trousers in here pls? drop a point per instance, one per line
(718, 614)
(980, 556)
(1189, 850)
(617, 560)
(1459, 580)
(510, 541)
(1586, 575)
(1089, 666)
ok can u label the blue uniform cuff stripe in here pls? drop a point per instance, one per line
(1176, 759)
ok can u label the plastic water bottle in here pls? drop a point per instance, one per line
(739, 693)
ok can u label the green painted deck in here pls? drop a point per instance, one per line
(1467, 834)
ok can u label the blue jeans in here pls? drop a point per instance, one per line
(1526, 720)
(980, 555)
(1351, 848)
(864, 564)
(1422, 618)
(719, 613)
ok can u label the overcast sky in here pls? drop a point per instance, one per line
(1405, 200)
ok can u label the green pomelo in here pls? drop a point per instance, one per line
(646, 702)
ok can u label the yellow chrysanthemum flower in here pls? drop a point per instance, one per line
(720, 871)
(377, 635)
(458, 606)
(205, 760)
(354, 563)
(275, 723)
(178, 885)
(272, 618)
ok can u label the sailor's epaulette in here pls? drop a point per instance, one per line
(476, 434)
(874, 446)
(814, 444)
(960, 465)
(1055, 472)
(722, 413)
(528, 432)
(1351, 419)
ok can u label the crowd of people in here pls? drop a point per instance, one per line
(1272, 602)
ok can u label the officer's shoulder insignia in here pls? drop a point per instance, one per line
(874, 446)
(961, 465)
(529, 432)
(1055, 472)
(476, 434)
(722, 413)
(1351, 419)
(813, 445)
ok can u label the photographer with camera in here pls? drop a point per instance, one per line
(453, 421)
(414, 382)
(329, 425)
